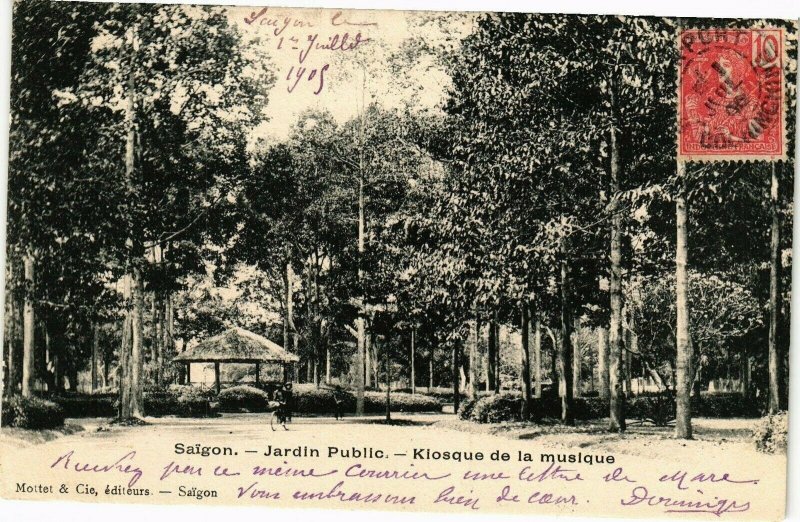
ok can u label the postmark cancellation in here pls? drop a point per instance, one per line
(731, 89)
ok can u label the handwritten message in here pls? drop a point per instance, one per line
(329, 475)
(310, 45)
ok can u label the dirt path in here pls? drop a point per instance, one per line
(715, 437)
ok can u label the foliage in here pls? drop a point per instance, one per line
(322, 401)
(243, 397)
(188, 392)
(725, 405)
(771, 434)
(158, 404)
(81, 405)
(465, 408)
(497, 408)
(310, 400)
(658, 408)
(31, 413)
(723, 311)
(375, 402)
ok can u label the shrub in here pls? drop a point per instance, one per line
(497, 408)
(771, 433)
(656, 408)
(375, 402)
(31, 413)
(724, 405)
(311, 400)
(186, 404)
(80, 405)
(465, 408)
(243, 397)
(587, 408)
(187, 392)
(443, 394)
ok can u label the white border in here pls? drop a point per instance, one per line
(31, 511)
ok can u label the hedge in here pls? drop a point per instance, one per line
(465, 408)
(31, 413)
(244, 397)
(309, 400)
(159, 404)
(771, 433)
(183, 401)
(656, 408)
(497, 408)
(187, 391)
(725, 405)
(375, 402)
(80, 405)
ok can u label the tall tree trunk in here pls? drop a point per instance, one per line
(317, 317)
(497, 353)
(11, 330)
(413, 350)
(554, 377)
(327, 364)
(123, 369)
(137, 345)
(360, 326)
(131, 402)
(106, 362)
(526, 361)
(158, 324)
(602, 362)
(685, 375)
(95, 351)
(473, 358)
(774, 297)
(368, 366)
(388, 371)
(565, 351)
(617, 410)
(745, 372)
(491, 355)
(537, 351)
(456, 370)
(291, 331)
(376, 361)
(627, 359)
(28, 327)
(313, 330)
(287, 308)
(168, 331)
(577, 360)
(51, 359)
(430, 371)
(634, 347)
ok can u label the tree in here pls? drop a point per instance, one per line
(169, 80)
(775, 395)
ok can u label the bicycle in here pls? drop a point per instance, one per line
(278, 417)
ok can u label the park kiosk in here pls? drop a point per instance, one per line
(237, 345)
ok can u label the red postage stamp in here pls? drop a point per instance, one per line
(731, 89)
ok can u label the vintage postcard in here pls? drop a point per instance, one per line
(453, 262)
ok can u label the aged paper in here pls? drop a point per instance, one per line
(510, 263)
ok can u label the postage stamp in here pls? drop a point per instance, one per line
(731, 88)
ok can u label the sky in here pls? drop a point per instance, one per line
(337, 59)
